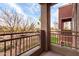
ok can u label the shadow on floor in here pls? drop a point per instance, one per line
(50, 53)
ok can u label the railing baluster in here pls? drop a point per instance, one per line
(55, 38)
(62, 40)
(71, 42)
(37, 40)
(65, 41)
(15, 47)
(59, 39)
(29, 42)
(11, 46)
(20, 46)
(23, 45)
(68, 43)
(5, 48)
(26, 44)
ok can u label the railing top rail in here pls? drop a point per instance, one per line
(60, 33)
(65, 35)
(66, 31)
(18, 38)
(16, 33)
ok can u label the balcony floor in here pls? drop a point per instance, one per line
(50, 53)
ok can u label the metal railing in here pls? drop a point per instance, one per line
(17, 43)
(65, 38)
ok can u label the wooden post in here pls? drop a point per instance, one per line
(45, 26)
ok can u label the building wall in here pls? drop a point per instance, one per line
(74, 14)
(76, 22)
(64, 13)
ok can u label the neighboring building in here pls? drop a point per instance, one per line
(65, 23)
(65, 17)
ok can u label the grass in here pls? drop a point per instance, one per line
(54, 39)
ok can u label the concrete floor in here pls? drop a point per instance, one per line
(50, 53)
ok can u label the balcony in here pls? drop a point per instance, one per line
(43, 43)
(29, 43)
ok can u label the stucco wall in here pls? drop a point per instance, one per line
(65, 12)
(75, 22)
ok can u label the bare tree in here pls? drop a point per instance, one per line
(32, 27)
(55, 25)
(11, 19)
(14, 21)
(28, 25)
(24, 25)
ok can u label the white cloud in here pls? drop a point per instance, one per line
(18, 9)
(34, 8)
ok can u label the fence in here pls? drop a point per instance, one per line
(17, 43)
(65, 38)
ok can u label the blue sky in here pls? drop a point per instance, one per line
(55, 13)
(29, 10)
(32, 10)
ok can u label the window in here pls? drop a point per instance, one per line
(67, 25)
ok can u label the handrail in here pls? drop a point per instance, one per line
(13, 33)
(18, 38)
(66, 31)
(65, 35)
